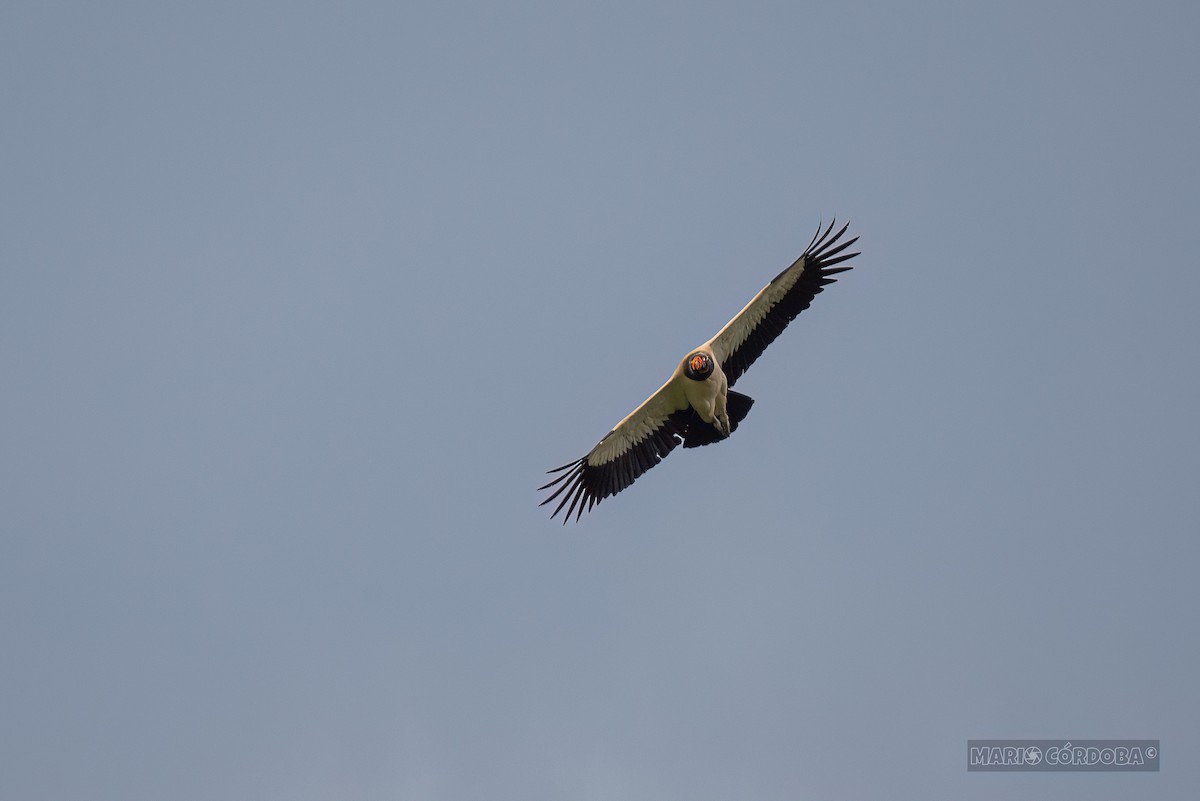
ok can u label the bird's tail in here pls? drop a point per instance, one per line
(697, 432)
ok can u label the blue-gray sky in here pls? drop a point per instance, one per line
(298, 301)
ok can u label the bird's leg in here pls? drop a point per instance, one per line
(721, 423)
(721, 416)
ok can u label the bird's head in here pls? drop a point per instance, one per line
(698, 366)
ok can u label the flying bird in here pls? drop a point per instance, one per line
(696, 405)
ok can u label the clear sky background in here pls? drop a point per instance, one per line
(299, 300)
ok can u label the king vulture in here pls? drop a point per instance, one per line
(696, 405)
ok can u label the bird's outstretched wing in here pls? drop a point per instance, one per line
(746, 336)
(637, 443)
(640, 441)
